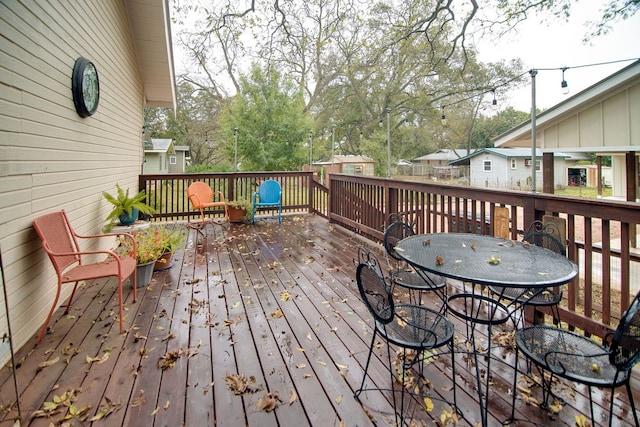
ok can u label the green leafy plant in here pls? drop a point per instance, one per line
(122, 204)
(171, 239)
(149, 245)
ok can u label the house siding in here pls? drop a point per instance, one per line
(51, 158)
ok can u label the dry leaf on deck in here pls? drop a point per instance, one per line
(240, 384)
(269, 401)
(43, 365)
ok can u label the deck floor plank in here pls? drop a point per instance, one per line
(220, 301)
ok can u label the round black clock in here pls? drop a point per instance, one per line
(85, 87)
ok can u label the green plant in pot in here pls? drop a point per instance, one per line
(239, 210)
(171, 239)
(125, 209)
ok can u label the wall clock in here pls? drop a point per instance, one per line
(85, 87)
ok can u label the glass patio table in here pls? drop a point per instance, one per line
(480, 261)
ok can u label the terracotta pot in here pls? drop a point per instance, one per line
(236, 215)
(144, 272)
(164, 262)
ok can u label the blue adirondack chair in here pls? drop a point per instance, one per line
(269, 195)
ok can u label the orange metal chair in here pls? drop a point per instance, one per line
(202, 197)
(60, 242)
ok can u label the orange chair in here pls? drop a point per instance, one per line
(201, 197)
(60, 242)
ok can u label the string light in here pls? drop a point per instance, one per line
(564, 86)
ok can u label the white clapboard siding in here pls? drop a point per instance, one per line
(50, 158)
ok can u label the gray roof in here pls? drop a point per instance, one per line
(444, 154)
(159, 145)
(519, 153)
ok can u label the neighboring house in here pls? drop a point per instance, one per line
(602, 119)
(52, 157)
(156, 156)
(162, 156)
(436, 164)
(180, 160)
(350, 165)
(509, 168)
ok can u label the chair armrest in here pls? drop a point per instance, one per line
(220, 194)
(256, 196)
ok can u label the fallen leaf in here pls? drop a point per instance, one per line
(293, 396)
(276, 314)
(240, 384)
(48, 363)
(269, 402)
(428, 404)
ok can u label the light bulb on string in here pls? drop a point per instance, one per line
(564, 86)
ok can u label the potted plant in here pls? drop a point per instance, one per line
(171, 239)
(239, 210)
(148, 248)
(125, 208)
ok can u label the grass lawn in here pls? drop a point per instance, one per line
(585, 192)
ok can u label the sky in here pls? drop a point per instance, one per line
(559, 44)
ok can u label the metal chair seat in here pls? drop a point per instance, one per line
(417, 327)
(569, 355)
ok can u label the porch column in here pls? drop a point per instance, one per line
(548, 178)
(631, 166)
(599, 175)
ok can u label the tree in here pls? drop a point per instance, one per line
(272, 126)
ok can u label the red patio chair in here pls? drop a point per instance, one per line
(201, 197)
(60, 242)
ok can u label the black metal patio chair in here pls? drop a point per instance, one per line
(569, 355)
(403, 274)
(546, 236)
(413, 328)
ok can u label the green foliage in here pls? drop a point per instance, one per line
(272, 126)
(122, 203)
(487, 128)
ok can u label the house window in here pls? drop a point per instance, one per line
(487, 165)
(357, 170)
(538, 165)
(173, 160)
(513, 163)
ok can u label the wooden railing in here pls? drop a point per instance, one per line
(168, 193)
(601, 235)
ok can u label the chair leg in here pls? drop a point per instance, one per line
(633, 405)
(73, 293)
(46, 322)
(120, 310)
(366, 367)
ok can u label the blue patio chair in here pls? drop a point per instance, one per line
(269, 195)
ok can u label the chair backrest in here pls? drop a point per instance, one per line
(374, 291)
(57, 236)
(625, 345)
(199, 193)
(393, 234)
(270, 191)
(546, 236)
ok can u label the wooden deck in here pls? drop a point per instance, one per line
(275, 304)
